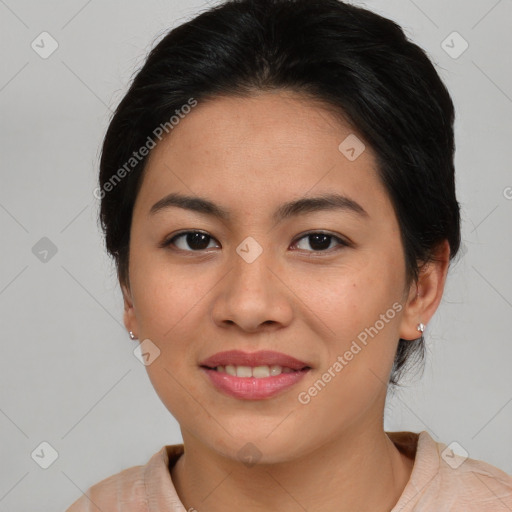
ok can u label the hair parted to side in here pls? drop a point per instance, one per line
(358, 64)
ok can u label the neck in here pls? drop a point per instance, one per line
(362, 470)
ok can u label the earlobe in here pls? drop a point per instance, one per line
(425, 294)
(130, 320)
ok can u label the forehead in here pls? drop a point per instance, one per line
(275, 120)
(250, 150)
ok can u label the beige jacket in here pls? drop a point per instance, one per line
(441, 481)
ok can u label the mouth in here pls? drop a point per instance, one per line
(253, 376)
(262, 358)
(258, 372)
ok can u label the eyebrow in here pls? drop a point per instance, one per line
(324, 202)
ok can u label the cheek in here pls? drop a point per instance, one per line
(348, 298)
(169, 312)
(166, 296)
(359, 355)
(361, 307)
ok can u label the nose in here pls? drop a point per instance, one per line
(253, 296)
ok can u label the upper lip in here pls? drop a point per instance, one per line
(260, 358)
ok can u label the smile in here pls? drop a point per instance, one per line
(253, 376)
(258, 372)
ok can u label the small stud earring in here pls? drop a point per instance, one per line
(420, 327)
(132, 336)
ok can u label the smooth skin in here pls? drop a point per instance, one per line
(249, 156)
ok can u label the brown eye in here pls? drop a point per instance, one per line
(194, 240)
(320, 242)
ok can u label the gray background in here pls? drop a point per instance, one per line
(68, 373)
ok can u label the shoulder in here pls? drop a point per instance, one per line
(443, 480)
(103, 496)
(129, 489)
(476, 483)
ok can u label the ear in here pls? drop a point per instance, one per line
(425, 295)
(130, 320)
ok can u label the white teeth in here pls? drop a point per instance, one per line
(258, 372)
(275, 370)
(243, 371)
(231, 370)
(261, 371)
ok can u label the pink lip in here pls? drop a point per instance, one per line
(260, 358)
(252, 388)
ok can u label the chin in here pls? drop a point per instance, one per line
(255, 445)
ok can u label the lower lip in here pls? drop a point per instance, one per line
(251, 388)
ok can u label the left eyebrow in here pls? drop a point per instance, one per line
(319, 203)
(302, 206)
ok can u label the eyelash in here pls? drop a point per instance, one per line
(342, 243)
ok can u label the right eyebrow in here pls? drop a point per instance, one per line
(196, 204)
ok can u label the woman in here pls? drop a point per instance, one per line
(277, 190)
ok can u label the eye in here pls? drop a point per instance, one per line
(196, 240)
(199, 241)
(320, 242)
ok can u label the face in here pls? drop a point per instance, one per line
(320, 281)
